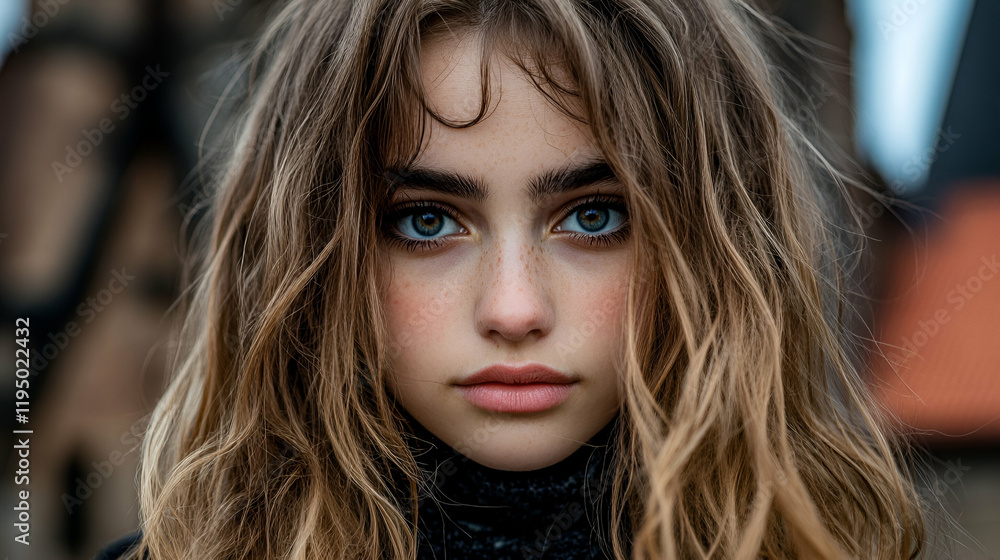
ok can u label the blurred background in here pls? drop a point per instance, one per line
(103, 113)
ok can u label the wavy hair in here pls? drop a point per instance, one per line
(747, 429)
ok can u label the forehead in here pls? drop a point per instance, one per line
(522, 126)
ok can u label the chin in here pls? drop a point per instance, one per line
(510, 449)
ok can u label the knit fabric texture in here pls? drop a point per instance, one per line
(468, 510)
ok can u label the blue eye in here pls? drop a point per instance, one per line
(426, 223)
(594, 216)
(419, 224)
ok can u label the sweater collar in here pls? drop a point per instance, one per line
(474, 493)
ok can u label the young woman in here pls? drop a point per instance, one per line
(521, 279)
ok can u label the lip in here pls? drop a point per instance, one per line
(513, 389)
(517, 375)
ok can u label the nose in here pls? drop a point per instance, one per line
(514, 304)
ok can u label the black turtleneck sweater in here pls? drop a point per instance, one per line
(472, 511)
(467, 510)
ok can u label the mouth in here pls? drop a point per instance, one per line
(516, 389)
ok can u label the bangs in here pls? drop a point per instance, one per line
(521, 34)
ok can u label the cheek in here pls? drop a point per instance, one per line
(418, 316)
(403, 305)
(597, 287)
(608, 310)
(595, 322)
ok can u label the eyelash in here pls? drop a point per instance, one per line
(618, 235)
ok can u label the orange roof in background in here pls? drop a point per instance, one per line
(939, 326)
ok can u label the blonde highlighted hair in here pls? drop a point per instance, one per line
(746, 429)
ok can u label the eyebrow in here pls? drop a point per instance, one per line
(544, 185)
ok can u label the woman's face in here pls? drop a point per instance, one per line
(508, 247)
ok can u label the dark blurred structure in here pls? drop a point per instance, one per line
(937, 360)
(102, 108)
(934, 361)
(974, 109)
